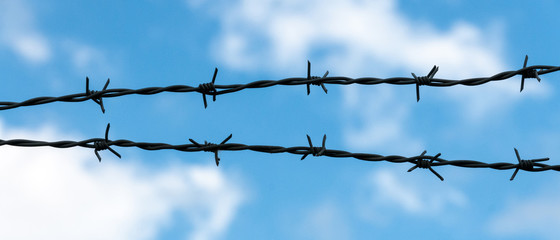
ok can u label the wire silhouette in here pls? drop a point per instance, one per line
(419, 161)
(211, 89)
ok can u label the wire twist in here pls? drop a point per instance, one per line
(211, 147)
(421, 162)
(424, 80)
(527, 165)
(318, 80)
(208, 88)
(315, 151)
(528, 73)
(97, 96)
(104, 144)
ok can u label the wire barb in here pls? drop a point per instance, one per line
(424, 162)
(208, 88)
(318, 80)
(528, 73)
(211, 147)
(424, 80)
(315, 151)
(526, 165)
(104, 144)
(96, 96)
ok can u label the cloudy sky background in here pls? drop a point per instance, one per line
(48, 48)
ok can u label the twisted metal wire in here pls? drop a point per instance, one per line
(214, 90)
(420, 161)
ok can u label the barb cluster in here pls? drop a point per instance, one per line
(97, 96)
(423, 163)
(214, 90)
(211, 147)
(420, 161)
(104, 144)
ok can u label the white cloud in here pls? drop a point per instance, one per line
(381, 118)
(356, 35)
(86, 58)
(65, 194)
(496, 98)
(369, 38)
(421, 197)
(325, 221)
(19, 34)
(536, 216)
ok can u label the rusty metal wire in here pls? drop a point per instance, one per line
(211, 89)
(420, 161)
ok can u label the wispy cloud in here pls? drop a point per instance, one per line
(420, 198)
(353, 36)
(89, 59)
(325, 221)
(85, 57)
(19, 34)
(368, 38)
(537, 215)
(66, 194)
(377, 120)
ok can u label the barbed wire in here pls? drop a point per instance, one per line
(214, 90)
(420, 161)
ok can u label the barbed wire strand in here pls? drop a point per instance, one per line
(421, 161)
(211, 89)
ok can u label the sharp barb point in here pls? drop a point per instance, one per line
(517, 154)
(308, 70)
(204, 100)
(309, 140)
(106, 84)
(97, 154)
(541, 160)
(324, 88)
(514, 174)
(216, 158)
(215, 73)
(437, 174)
(107, 131)
(194, 142)
(433, 72)
(227, 139)
(114, 152)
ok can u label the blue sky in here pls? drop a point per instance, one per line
(48, 48)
